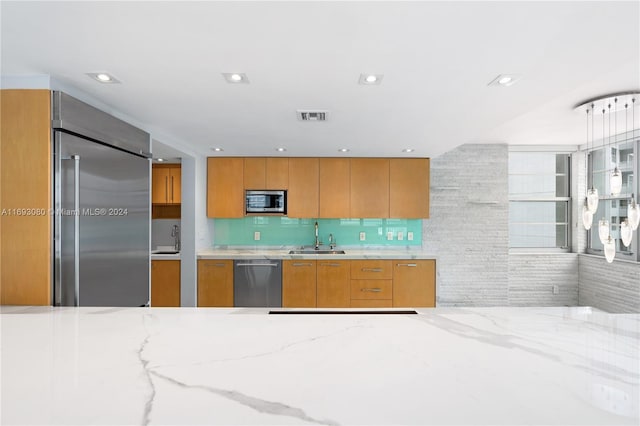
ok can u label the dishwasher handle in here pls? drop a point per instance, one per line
(272, 265)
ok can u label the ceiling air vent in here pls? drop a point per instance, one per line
(308, 115)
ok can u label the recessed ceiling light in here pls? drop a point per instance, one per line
(161, 159)
(504, 80)
(103, 77)
(344, 150)
(370, 79)
(217, 149)
(281, 149)
(235, 77)
(408, 150)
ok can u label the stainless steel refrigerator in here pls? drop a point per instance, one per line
(101, 207)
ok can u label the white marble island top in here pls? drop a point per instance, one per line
(283, 253)
(445, 366)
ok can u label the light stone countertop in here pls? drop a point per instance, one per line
(283, 253)
(155, 256)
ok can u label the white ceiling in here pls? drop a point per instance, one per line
(437, 59)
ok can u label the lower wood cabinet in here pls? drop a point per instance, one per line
(414, 283)
(371, 283)
(215, 283)
(333, 281)
(165, 283)
(299, 283)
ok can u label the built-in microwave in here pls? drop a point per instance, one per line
(266, 201)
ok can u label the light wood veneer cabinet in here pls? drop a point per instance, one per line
(409, 188)
(225, 187)
(215, 283)
(369, 191)
(165, 283)
(335, 187)
(266, 173)
(166, 184)
(302, 196)
(333, 283)
(371, 283)
(414, 283)
(299, 283)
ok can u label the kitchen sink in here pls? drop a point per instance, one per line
(165, 252)
(312, 251)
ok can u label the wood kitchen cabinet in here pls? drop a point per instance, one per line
(414, 283)
(299, 283)
(333, 284)
(165, 283)
(25, 186)
(369, 188)
(409, 188)
(302, 196)
(215, 283)
(225, 187)
(334, 187)
(166, 184)
(371, 284)
(266, 173)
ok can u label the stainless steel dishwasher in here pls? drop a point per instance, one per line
(257, 283)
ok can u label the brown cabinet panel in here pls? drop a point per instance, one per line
(175, 184)
(215, 283)
(409, 188)
(165, 283)
(369, 187)
(302, 196)
(335, 188)
(225, 187)
(371, 269)
(255, 176)
(371, 303)
(159, 185)
(333, 286)
(414, 283)
(299, 283)
(277, 173)
(371, 289)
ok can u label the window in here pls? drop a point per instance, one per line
(601, 162)
(539, 200)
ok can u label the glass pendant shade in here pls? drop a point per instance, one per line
(603, 230)
(626, 233)
(609, 249)
(615, 181)
(587, 216)
(592, 200)
(633, 215)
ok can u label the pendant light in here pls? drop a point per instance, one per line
(592, 193)
(609, 249)
(626, 233)
(603, 224)
(615, 179)
(633, 213)
(587, 214)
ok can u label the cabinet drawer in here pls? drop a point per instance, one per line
(371, 270)
(371, 303)
(371, 289)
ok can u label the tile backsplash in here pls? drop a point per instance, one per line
(279, 230)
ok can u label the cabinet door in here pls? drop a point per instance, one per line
(414, 283)
(371, 270)
(333, 284)
(369, 187)
(299, 283)
(159, 185)
(335, 187)
(409, 188)
(215, 283)
(165, 283)
(277, 173)
(175, 183)
(302, 196)
(225, 188)
(255, 173)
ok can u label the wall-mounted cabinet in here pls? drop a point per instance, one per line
(409, 188)
(302, 197)
(369, 187)
(266, 173)
(166, 184)
(334, 187)
(225, 187)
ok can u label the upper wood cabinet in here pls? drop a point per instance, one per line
(215, 283)
(166, 184)
(335, 188)
(414, 283)
(302, 196)
(225, 187)
(299, 283)
(266, 173)
(409, 188)
(369, 187)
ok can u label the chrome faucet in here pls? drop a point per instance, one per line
(175, 233)
(332, 242)
(317, 243)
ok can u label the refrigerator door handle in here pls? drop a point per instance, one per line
(76, 231)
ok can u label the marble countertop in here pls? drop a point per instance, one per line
(155, 256)
(283, 253)
(453, 366)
